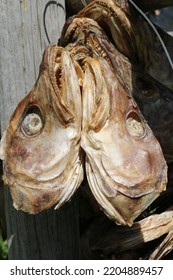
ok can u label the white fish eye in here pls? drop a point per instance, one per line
(32, 124)
(135, 125)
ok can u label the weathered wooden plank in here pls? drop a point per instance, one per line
(51, 234)
(23, 40)
(48, 235)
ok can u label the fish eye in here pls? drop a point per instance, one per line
(134, 125)
(32, 123)
(147, 88)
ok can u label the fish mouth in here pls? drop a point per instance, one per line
(31, 200)
(34, 197)
(123, 204)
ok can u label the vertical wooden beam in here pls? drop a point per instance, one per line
(51, 234)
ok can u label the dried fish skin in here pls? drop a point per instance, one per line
(129, 35)
(125, 166)
(41, 148)
(98, 45)
(153, 98)
(111, 17)
(85, 33)
(77, 29)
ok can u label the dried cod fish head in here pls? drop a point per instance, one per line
(41, 147)
(129, 31)
(153, 97)
(125, 166)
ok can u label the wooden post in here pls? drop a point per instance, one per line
(51, 234)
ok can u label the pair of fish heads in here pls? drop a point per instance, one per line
(80, 117)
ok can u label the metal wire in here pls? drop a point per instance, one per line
(155, 30)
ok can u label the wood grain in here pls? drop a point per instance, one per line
(51, 234)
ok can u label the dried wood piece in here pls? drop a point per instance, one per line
(165, 247)
(120, 239)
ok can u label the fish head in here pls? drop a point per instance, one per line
(125, 165)
(39, 161)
